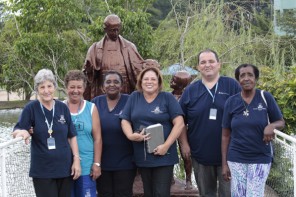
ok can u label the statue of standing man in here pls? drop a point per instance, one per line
(112, 52)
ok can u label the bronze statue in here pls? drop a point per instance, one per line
(151, 63)
(112, 52)
(178, 82)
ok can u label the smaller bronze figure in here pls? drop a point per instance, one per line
(178, 82)
(151, 63)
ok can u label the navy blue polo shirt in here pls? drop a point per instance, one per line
(163, 109)
(117, 151)
(47, 163)
(247, 132)
(204, 134)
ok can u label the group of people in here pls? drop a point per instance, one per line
(224, 127)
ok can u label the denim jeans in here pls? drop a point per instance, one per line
(84, 186)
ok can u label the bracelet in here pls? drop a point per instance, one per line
(77, 156)
(98, 164)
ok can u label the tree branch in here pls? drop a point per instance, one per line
(108, 6)
(18, 30)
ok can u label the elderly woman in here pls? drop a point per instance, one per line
(118, 168)
(85, 118)
(55, 159)
(249, 120)
(148, 106)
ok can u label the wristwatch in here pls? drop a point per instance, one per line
(98, 164)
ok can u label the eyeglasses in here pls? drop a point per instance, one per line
(113, 30)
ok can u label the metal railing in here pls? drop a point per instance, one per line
(283, 171)
(15, 161)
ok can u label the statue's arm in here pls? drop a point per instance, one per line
(90, 64)
(136, 59)
(90, 58)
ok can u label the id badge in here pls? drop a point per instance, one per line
(213, 114)
(51, 143)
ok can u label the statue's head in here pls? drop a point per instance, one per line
(180, 80)
(112, 26)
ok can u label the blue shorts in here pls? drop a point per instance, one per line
(84, 186)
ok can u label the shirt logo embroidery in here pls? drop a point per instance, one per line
(157, 111)
(118, 113)
(79, 126)
(260, 107)
(223, 93)
(62, 119)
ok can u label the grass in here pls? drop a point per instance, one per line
(12, 104)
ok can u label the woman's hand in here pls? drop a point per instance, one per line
(76, 169)
(226, 173)
(161, 150)
(139, 137)
(268, 133)
(22, 133)
(95, 171)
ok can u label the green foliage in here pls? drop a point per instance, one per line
(40, 34)
(47, 15)
(131, 5)
(287, 100)
(284, 91)
(158, 12)
(27, 54)
(51, 51)
(204, 26)
(1, 15)
(185, 33)
(7, 37)
(135, 28)
(287, 21)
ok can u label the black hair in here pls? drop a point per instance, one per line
(255, 69)
(113, 72)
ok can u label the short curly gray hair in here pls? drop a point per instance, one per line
(42, 76)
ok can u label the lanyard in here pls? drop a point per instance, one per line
(49, 126)
(213, 96)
